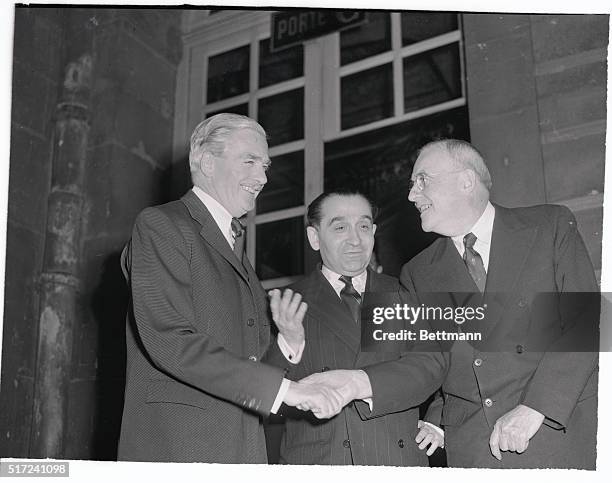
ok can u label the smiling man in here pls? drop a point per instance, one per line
(196, 390)
(381, 391)
(507, 404)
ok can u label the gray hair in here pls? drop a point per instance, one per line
(211, 133)
(464, 154)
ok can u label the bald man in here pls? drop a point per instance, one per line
(507, 404)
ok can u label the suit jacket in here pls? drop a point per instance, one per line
(195, 388)
(533, 250)
(356, 435)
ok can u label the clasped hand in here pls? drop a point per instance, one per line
(326, 393)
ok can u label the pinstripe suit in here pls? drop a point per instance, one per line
(355, 436)
(195, 390)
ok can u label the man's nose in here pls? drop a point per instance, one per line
(260, 175)
(354, 238)
(412, 193)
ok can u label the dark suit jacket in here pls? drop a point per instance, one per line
(356, 435)
(533, 250)
(195, 389)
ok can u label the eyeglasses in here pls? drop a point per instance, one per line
(422, 180)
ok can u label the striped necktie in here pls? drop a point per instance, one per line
(351, 297)
(473, 262)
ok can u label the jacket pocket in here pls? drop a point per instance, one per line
(160, 391)
(454, 412)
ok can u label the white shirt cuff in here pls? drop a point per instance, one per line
(292, 356)
(284, 387)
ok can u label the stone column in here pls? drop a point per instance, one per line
(59, 283)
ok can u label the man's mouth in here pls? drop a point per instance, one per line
(252, 189)
(424, 207)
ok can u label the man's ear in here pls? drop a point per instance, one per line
(374, 229)
(207, 163)
(313, 237)
(468, 180)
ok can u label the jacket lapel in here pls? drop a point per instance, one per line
(211, 233)
(448, 273)
(327, 308)
(511, 243)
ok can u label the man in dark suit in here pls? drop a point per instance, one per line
(520, 392)
(195, 387)
(372, 429)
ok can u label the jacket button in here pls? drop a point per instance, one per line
(519, 349)
(488, 402)
(253, 358)
(522, 303)
(325, 368)
(251, 322)
(478, 362)
(400, 443)
(346, 443)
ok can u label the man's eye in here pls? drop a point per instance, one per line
(339, 228)
(365, 227)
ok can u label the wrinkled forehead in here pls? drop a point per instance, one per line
(345, 207)
(433, 160)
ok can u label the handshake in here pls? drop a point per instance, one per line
(323, 393)
(326, 393)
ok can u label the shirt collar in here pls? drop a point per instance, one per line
(222, 217)
(359, 281)
(483, 228)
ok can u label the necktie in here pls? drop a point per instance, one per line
(238, 233)
(351, 297)
(473, 262)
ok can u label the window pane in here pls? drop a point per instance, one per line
(379, 164)
(282, 116)
(419, 26)
(366, 40)
(432, 77)
(238, 109)
(280, 248)
(367, 96)
(279, 66)
(228, 74)
(285, 186)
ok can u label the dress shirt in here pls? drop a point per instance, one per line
(223, 219)
(483, 229)
(359, 282)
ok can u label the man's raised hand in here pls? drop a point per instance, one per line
(288, 313)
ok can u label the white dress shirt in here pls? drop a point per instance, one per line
(483, 229)
(223, 219)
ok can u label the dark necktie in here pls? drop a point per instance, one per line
(238, 233)
(351, 297)
(473, 262)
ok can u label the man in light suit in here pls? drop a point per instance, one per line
(195, 387)
(518, 400)
(371, 429)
